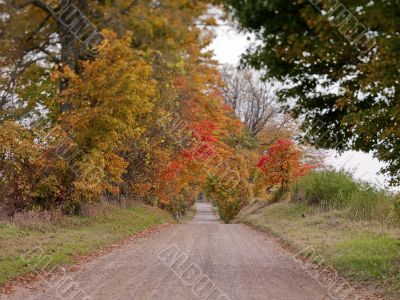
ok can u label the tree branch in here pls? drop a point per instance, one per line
(129, 7)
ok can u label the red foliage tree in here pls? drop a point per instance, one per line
(281, 164)
(203, 142)
(200, 148)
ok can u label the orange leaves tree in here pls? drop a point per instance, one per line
(104, 117)
(31, 174)
(281, 164)
(183, 175)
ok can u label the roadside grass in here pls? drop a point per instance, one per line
(360, 250)
(367, 257)
(327, 189)
(72, 236)
(332, 190)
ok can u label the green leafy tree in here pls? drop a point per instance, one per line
(340, 62)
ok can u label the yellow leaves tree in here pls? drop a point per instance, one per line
(105, 126)
(31, 173)
(109, 103)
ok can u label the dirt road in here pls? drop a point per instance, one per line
(203, 259)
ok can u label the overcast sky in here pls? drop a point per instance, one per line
(229, 45)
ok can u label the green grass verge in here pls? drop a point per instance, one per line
(72, 237)
(359, 250)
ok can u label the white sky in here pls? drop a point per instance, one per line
(229, 45)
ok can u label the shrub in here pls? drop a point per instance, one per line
(229, 201)
(32, 175)
(150, 199)
(328, 189)
(229, 208)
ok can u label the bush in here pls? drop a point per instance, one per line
(328, 189)
(229, 201)
(229, 208)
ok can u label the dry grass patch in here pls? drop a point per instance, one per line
(66, 238)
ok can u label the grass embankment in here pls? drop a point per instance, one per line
(355, 228)
(63, 241)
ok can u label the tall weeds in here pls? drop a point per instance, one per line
(338, 190)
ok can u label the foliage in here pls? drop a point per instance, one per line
(98, 126)
(30, 175)
(108, 107)
(348, 99)
(230, 191)
(279, 194)
(143, 118)
(281, 164)
(17, 153)
(227, 201)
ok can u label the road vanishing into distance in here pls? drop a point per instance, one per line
(203, 259)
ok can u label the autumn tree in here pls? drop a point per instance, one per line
(281, 164)
(36, 33)
(341, 66)
(79, 127)
(110, 101)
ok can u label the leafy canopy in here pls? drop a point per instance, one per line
(345, 98)
(281, 164)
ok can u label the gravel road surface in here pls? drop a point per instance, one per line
(204, 259)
